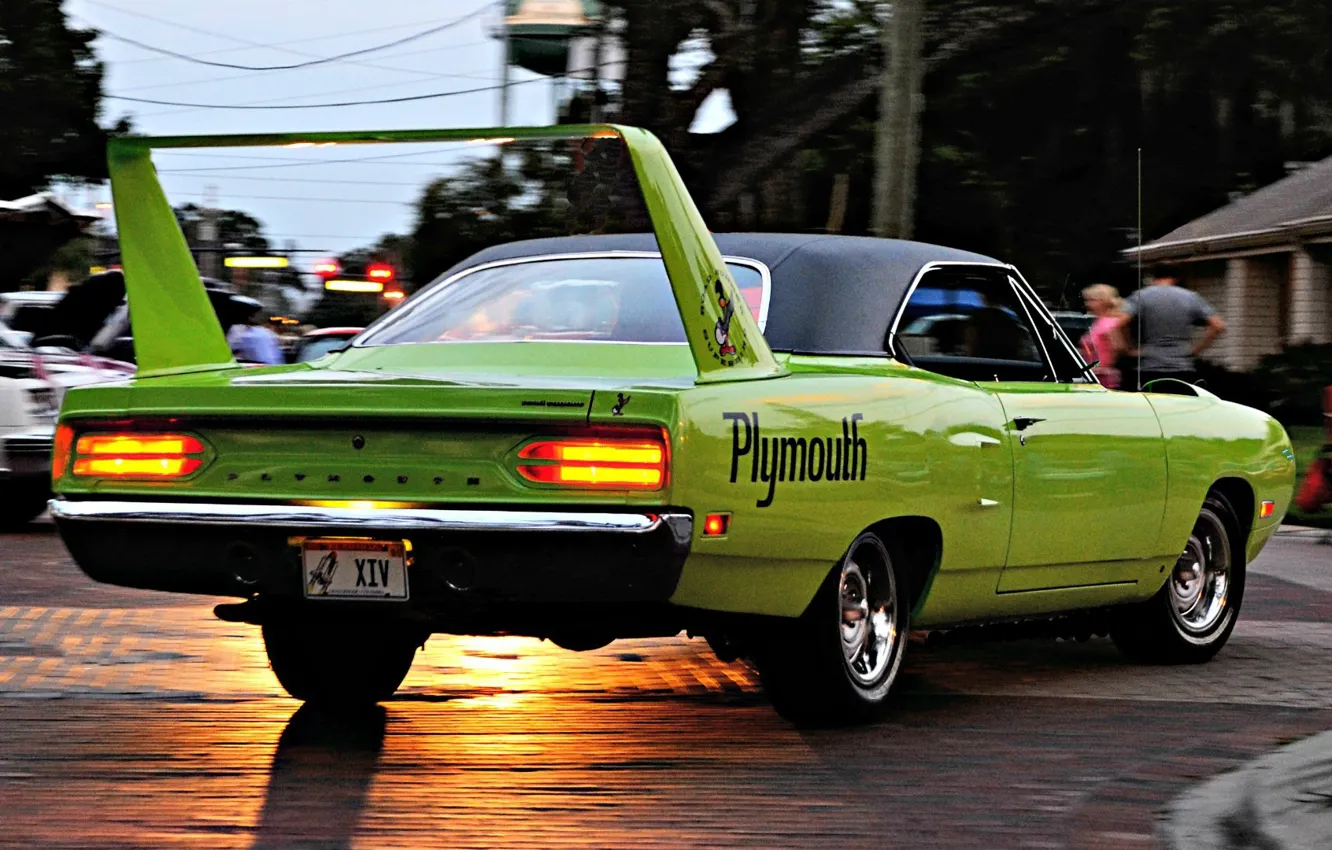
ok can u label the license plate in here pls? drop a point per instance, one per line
(354, 569)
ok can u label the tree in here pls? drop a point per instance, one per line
(1033, 117)
(234, 227)
(50, 97)
(897, 146)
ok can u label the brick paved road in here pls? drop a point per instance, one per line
(137, 720)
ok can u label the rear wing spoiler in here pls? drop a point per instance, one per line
(176, 330)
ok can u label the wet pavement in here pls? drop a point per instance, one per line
(132, 719)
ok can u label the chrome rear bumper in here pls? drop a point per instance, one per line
(370, 519)
(238, 549)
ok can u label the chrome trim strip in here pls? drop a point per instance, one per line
(389, 319)
(1031, 323)
(353, 519)
(1044, 313)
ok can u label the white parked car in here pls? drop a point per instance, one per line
(63, 367)
(28, 408)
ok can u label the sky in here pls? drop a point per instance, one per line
(320, 207)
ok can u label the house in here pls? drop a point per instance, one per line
(31, 229)
(1264, 262)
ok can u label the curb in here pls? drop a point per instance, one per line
(1281, 801)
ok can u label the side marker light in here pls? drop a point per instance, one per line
(716, 525)
(1266, 509)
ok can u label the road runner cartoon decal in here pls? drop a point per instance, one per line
(321, 577)
(722, 331)
(842, 457)
(724, 341)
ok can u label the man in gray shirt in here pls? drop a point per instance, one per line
(1167, 315)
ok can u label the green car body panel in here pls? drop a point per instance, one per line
(1089, 507)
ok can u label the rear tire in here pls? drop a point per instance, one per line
(1194, 613)
(21, 502)
(836, 664)
(339, 664)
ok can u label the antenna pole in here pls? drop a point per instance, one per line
(1141, 302)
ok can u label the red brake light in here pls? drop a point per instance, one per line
(328, 268)
(137, 455)
(613, 463)
(64, 441)
(379, 271)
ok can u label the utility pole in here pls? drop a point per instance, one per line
(504, 66)
(209, 261)
(897, 147)
(594, 112)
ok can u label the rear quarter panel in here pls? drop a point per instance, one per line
(912, 437)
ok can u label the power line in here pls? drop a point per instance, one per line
(405, 99)
(424, 75)
(312, 200)
(286, 163)
(242, 41)
(387, 100)
(224, 152)
(417, 72)
(320, 61)
(328, 182)
(316, 94)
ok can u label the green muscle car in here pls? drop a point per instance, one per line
(797, 446)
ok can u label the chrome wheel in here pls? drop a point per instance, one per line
(869, 621)
(1199, 585)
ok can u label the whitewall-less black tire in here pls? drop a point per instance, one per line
(1192, 616)
(838, 662)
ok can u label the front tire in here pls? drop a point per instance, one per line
(837, 663)
(1194, 613)
(339, 664)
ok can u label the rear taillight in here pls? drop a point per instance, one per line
(610, 462)
(64, 441)
(137, 455)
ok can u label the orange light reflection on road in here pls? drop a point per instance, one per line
(489, 738)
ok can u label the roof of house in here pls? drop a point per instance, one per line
(1293, 206)
(43, 205)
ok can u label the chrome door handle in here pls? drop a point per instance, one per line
(1022, 423)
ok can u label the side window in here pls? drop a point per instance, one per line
(970, 324)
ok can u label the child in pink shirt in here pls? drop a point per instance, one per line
(1103, 341)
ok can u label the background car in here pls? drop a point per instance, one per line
(26, 312)
(28, 408)
(62, 367)
(316, 343)
(93, 316)
(1074, 324)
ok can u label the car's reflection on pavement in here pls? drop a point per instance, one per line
(318, 787)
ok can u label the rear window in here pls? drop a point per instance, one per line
(583, 299)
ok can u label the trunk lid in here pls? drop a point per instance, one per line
(439, 434)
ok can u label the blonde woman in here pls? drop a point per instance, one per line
(1103, 341)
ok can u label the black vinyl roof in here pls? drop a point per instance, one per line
(830, 294)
